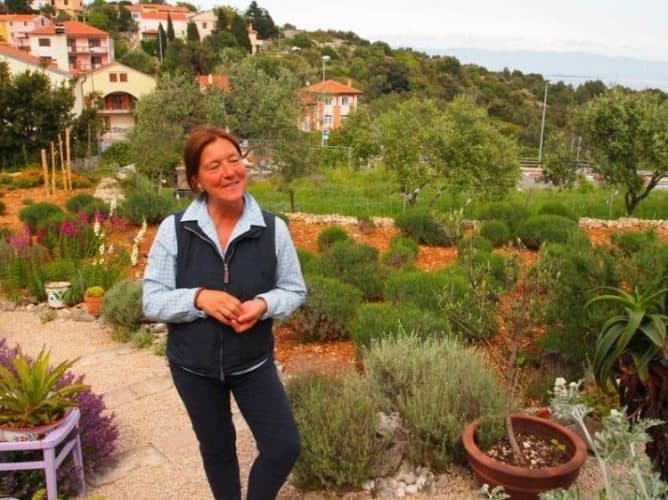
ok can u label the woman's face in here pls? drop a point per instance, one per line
(222, 173)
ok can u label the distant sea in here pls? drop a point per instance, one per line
(573, 68)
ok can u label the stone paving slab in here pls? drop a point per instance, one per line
(106, 355)
(147, 456)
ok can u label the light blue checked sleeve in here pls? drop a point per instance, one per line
(164, 302)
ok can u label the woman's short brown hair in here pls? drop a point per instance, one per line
(199, 138)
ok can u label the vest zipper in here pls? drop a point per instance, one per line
(226, 266)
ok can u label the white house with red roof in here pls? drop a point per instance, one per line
(205, 22)
(149, 16)
(74, 46)
(115, 89)
(71, 7)
(20, 61)
(14, 28)
(220, 81)
(326, 104)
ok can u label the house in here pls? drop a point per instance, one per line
(326, 104)
(72, 8)
(74, 46)
(149, 16)
(116, 88)
(205, 22)
(20, 61)
(221, 81)
(14, 28)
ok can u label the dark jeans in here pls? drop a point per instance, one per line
(264, 405)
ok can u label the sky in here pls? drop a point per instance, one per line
(618, 28)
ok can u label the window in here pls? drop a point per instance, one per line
(204, 25)
(305, 124)
(123, 77)
(344, 100)
(328, 101)
(95, 61)
(93, 42)
(328, 119)
(44, 42)
(113, 77)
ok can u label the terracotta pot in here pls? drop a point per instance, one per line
(522, 482)
(22, 434)
(93, 305)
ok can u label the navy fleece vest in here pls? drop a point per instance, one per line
(205, 345)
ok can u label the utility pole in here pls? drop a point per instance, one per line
(542, 128)
(323, 132)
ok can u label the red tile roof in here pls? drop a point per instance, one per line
(18, 17)
(217, 80)
(331, 87)
(15, 53)
(162, 16)
(72, 28)
(156, 8)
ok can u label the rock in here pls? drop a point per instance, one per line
(159, 327)
(390, 461)
(388, 424)
(412, 489)
(401, 492)
(368, 485)
(409, 478)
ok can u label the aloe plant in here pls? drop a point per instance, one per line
(30, 395)
(639, 331)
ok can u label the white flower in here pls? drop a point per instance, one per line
(559, 382)
(96, 227)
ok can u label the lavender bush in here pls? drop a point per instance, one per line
(98, 441)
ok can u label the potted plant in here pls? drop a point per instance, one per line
(32, 402)
(93, 299)
(519, 477)
(632, 357)
(55, 293)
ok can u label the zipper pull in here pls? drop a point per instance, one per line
(226, 273)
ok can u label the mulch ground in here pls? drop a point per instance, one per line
(296, 357)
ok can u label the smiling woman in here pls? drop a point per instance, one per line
(218, 273)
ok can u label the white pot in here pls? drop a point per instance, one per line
(55, 291)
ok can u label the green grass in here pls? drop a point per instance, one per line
(376, 193)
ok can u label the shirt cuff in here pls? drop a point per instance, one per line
(198, 312)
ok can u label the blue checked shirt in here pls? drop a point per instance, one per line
(164, 302)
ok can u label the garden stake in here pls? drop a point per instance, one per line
(69, 159)
(45, 171)
(62, 163)
(53, 168)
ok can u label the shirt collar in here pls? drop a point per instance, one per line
(250, 216)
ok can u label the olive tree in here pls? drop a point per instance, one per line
(628, 133)
(457, 148)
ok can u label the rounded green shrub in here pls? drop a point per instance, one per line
(329, 308)
(416, 287)
(96, 208)
(632, 242)
(422, 227)
(146, 205)
(32, 215)
(378, 320)
(337, 419)
(512, 214)
(309, 261)
(539, 229)
(116, 155)
(556, 208)
(122, 305)
(473, 243)
(437, 386)
(402, 253)
(331, 235)
(356, 265)
(496, 231)
(78, 201)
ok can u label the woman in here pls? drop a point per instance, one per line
(217, 274)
